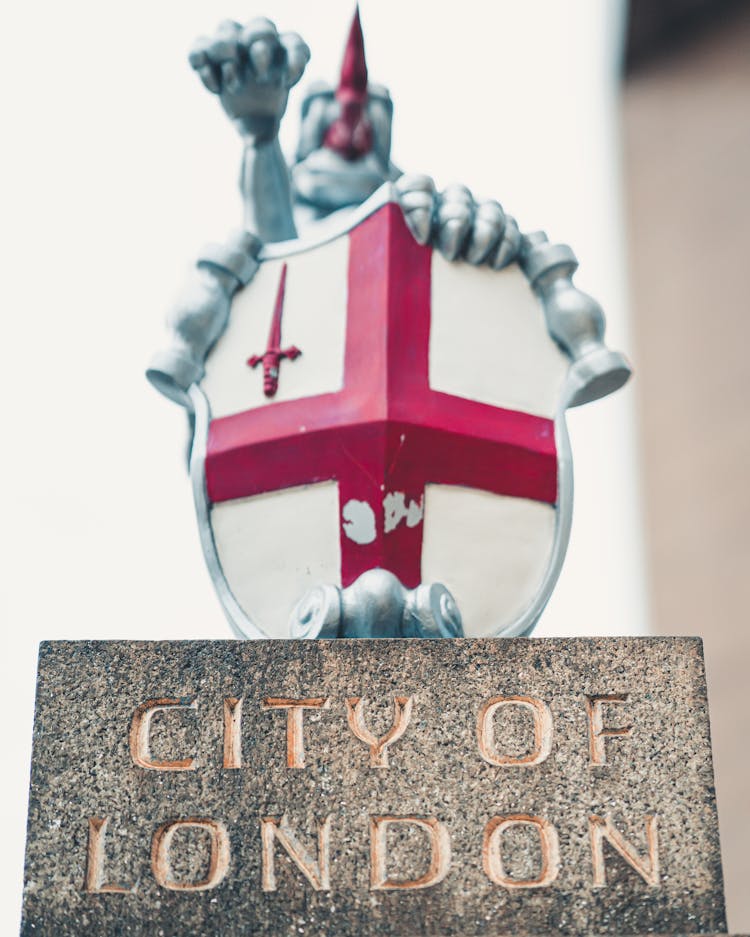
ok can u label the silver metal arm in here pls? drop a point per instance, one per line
(574, 319)
(481, 233)
(266, 192)
(201, 314)
(251, 69)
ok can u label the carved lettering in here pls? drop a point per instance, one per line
(295, 739)
(140, 735)
(542, 716)
(232, 732)
(601, 829)
(402, 709)
(440, 853)
(597, 730)
(95, 883)
(492, 857)
(161, 846)
(317, 873)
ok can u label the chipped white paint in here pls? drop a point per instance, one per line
(359, 521)
(276, 546)
(396, 510)
(473, 538)
(489, 341)
(313, 319)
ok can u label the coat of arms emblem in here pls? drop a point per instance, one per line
(377, 402)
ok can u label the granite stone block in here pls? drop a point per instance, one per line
(372, 787)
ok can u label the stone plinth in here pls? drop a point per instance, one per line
(372, 787)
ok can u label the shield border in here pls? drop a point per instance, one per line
(240, 622)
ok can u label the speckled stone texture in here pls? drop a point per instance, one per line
(83, 767)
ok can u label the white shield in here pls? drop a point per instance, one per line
(420, 429)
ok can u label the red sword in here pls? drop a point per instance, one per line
(271, 357)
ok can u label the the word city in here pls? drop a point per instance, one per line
(276, 831)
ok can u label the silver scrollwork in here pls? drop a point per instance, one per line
(376, 605)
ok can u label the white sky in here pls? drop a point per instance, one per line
(121, 166)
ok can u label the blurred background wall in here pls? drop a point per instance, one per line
(686, 135)
(121, 166)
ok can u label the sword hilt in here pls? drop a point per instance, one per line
(271, 359)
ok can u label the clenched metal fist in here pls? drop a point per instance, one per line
(251, 68)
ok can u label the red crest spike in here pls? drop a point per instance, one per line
(272, 356)
(350, 135)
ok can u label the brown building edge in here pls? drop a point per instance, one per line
(686, 134)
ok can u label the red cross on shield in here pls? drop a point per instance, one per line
(420, 430)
